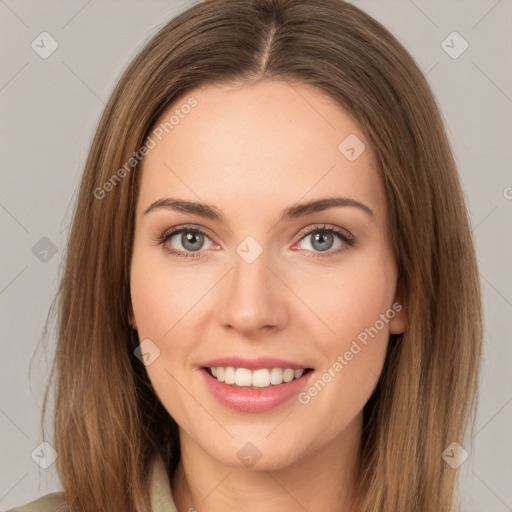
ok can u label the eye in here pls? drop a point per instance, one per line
(322, 238)
(188, 240)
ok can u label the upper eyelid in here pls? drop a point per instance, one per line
(185, 227)
(325, 227)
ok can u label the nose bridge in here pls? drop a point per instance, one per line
(253, 298)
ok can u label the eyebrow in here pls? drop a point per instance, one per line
(292, 212)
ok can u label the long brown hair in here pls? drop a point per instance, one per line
(109, 423)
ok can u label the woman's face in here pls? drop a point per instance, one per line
(265, 278)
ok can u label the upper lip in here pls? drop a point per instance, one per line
(253, 364)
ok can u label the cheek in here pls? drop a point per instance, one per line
(160, 299)
(160, 295)
(354, 308)
(349, 299)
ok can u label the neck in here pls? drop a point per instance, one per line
(321, 480)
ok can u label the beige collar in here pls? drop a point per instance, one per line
(160, 489)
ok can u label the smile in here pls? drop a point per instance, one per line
(274, 386)
(254, 379)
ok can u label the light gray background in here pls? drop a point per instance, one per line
(50, 107)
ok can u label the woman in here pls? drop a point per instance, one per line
(271, 298)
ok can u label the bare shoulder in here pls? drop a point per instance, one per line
(53, 502)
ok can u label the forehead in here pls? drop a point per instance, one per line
(265, 145)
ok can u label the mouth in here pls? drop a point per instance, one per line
(259, 378)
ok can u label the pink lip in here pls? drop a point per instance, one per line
(253, 364)
(254, 400)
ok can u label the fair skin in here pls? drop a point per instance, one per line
(251, 151)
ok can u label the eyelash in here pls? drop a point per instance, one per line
(348, 240)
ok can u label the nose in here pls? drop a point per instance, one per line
(253, 297)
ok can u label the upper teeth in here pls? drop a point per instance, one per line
(260, 378)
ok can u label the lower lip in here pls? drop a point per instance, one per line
(254, 400)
